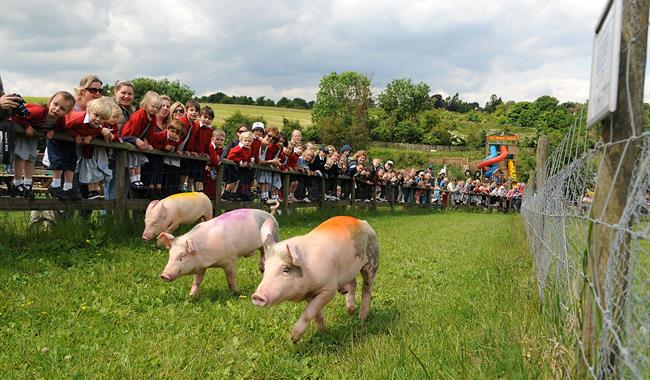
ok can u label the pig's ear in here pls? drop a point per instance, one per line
(165, 239)
(295, 255)
(152, 204)
(268, 230)
(268, 242)
(190, 246)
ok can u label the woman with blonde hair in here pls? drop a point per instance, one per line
(90, 88)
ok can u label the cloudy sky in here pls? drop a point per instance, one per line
(519, 50)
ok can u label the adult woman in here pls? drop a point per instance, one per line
(164, 117)
(90, 88)
(123, 95)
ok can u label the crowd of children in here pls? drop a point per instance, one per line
(187, 130)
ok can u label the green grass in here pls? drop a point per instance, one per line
(455, 297)
(273, 116)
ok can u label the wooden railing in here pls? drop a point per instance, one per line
(122, 204)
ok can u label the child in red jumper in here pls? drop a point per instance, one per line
(93, 165)
(201, 147)
(137, 130)
(189, 141)
(210, 174)
(49, 118)
(242, 155)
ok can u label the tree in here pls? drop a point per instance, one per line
(493, 103)
(343, 100)
(299, 103)
(408, 131)
(404, 99)
(284, 102)
(175, 90)
(438, 101)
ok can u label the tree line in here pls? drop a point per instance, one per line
(346, 110)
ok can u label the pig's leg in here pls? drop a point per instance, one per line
(349, 298)
(198, 279)
(314, 307)
(366, 292)
(231, 276)
(368, 273)
(320, 321)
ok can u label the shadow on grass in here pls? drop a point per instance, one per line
(347, 330)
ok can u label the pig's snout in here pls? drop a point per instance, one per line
(259, 300)
(145, 237)
(165, 277)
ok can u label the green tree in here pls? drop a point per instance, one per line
(342, 102)
(408, 131)
(284, 102)
(175, 89)
(492, 104)
(299, 103)
(404, 100)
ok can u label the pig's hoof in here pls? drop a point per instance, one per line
(194, 294)
(350, 309)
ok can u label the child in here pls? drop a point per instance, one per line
(49, 117)
(200, 145)
(290, 164)
(243, 157)
(83, 126)
(136, 130)
(230, 172)
(192, 111)
(172, 165)
(210, 175)
(93, 164)
(304, 163)
(269, 154)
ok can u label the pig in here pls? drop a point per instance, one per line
(182, 208)
(313, 267)
(218, 243)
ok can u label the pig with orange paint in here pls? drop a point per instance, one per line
(183, 208)
(313, 267)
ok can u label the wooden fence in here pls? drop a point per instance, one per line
(121, 205)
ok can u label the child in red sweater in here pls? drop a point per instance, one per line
(189, 140)
(137, 130)
(210, 174)
(201, 146)
(49, 118)
(242, 155)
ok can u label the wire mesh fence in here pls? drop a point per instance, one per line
(589, 229)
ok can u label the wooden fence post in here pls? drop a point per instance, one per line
(218, 190)
(286, 178)
(119, 205)
(611, 196)
(353, 191)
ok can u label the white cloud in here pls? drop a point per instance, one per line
(518, 50)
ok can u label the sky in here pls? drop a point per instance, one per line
(519, 50)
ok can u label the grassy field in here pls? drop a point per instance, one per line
(272, 115)
(455, 297)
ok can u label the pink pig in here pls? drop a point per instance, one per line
(182, 208)
(217, 243)
(314, 266)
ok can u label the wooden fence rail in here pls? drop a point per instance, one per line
(122, 204)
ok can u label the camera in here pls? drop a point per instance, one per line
(21, 110)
